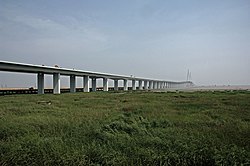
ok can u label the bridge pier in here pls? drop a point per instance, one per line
(133, 85)
(105, 84)
(140, 85)
(150, 84)
(116, 84)
(158, 85)
(56, 83)
(93, 84)
(72, 83)
(145, 84)
(86, 83)
(162, 85)
(125, 84)
(154, 85)
(40, 83)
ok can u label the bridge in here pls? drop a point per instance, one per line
(41, 71)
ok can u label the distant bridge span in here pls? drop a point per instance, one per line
(40, 70)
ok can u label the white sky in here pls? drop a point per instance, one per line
(146, 38)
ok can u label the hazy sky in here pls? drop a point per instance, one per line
(159, 39)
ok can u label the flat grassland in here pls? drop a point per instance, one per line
(126, 128)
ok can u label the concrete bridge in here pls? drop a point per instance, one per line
(40, 70)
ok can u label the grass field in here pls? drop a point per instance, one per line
(132, 128)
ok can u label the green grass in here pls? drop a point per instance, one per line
(139, 128)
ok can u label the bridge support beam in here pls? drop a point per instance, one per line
(133, 85)
(85, 83)
(40, 83)
(116, 85)
(72, 83)
(56, 83)
(93, 84)
(105, 84)
(140, 85)
(125, 85)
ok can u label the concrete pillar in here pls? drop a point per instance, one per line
(85, 83)
(151, 85)
(161, 85)
(145, 84)
(125, 84)
(105, 84)
(72, 83)
(158, 85)
(40, 83)
(140, 85)
(93, 84)
(56, 83)
(155, 85)
(116, 85)
(133, 85)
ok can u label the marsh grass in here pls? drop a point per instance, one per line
(133, 128)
